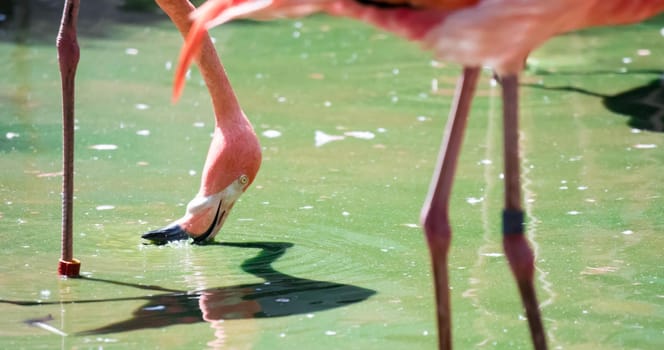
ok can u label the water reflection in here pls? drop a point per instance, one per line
(278, 295)
(644, 105)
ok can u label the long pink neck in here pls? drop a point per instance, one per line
(226, 105)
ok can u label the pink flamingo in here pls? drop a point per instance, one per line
(495, 33)
(234, 156)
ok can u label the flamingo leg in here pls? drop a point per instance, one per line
(517, 250)
(435, 212)
(68, 56)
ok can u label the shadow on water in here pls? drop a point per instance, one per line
(643, 105)
(279, 295)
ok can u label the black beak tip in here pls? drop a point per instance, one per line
(167, 234)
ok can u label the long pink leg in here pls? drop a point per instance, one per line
(68, 55)
(435, 217)
(517, 250)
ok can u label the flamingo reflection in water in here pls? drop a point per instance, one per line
(277, 295)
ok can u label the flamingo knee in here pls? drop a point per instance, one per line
(436, 226)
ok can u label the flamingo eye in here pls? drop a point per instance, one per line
(244, 179)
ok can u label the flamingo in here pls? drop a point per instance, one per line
(234, 156)
(474, 33)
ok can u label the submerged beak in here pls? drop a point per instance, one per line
(212, 209)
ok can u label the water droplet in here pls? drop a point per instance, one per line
(493, 255)
(199, 124)
(627, 60)
(155, 308)
(306, 207)
(105, 207)
(141, 106)
(321, 138)
(12, 135)
(345, 213)
(474, 200)
(645, 146)
(643, 52)
(327, 103)
(143, 133)
(627, 232)
(582, 188)
(45, 293)
(192, 172)
(131, 51)
(330, 333)
(282, 300)
(486, 161)
(573, 212)
(271, 133)
(364, 135)
(104, 147)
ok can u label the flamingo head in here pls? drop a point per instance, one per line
(204, 217)
(231, 166)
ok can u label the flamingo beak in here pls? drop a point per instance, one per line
(213, 209)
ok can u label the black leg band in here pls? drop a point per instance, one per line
(512, 222)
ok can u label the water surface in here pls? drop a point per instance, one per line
(324, 251)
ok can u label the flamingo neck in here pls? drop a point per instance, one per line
(227, 109)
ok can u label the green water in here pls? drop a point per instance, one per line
(329, 234)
